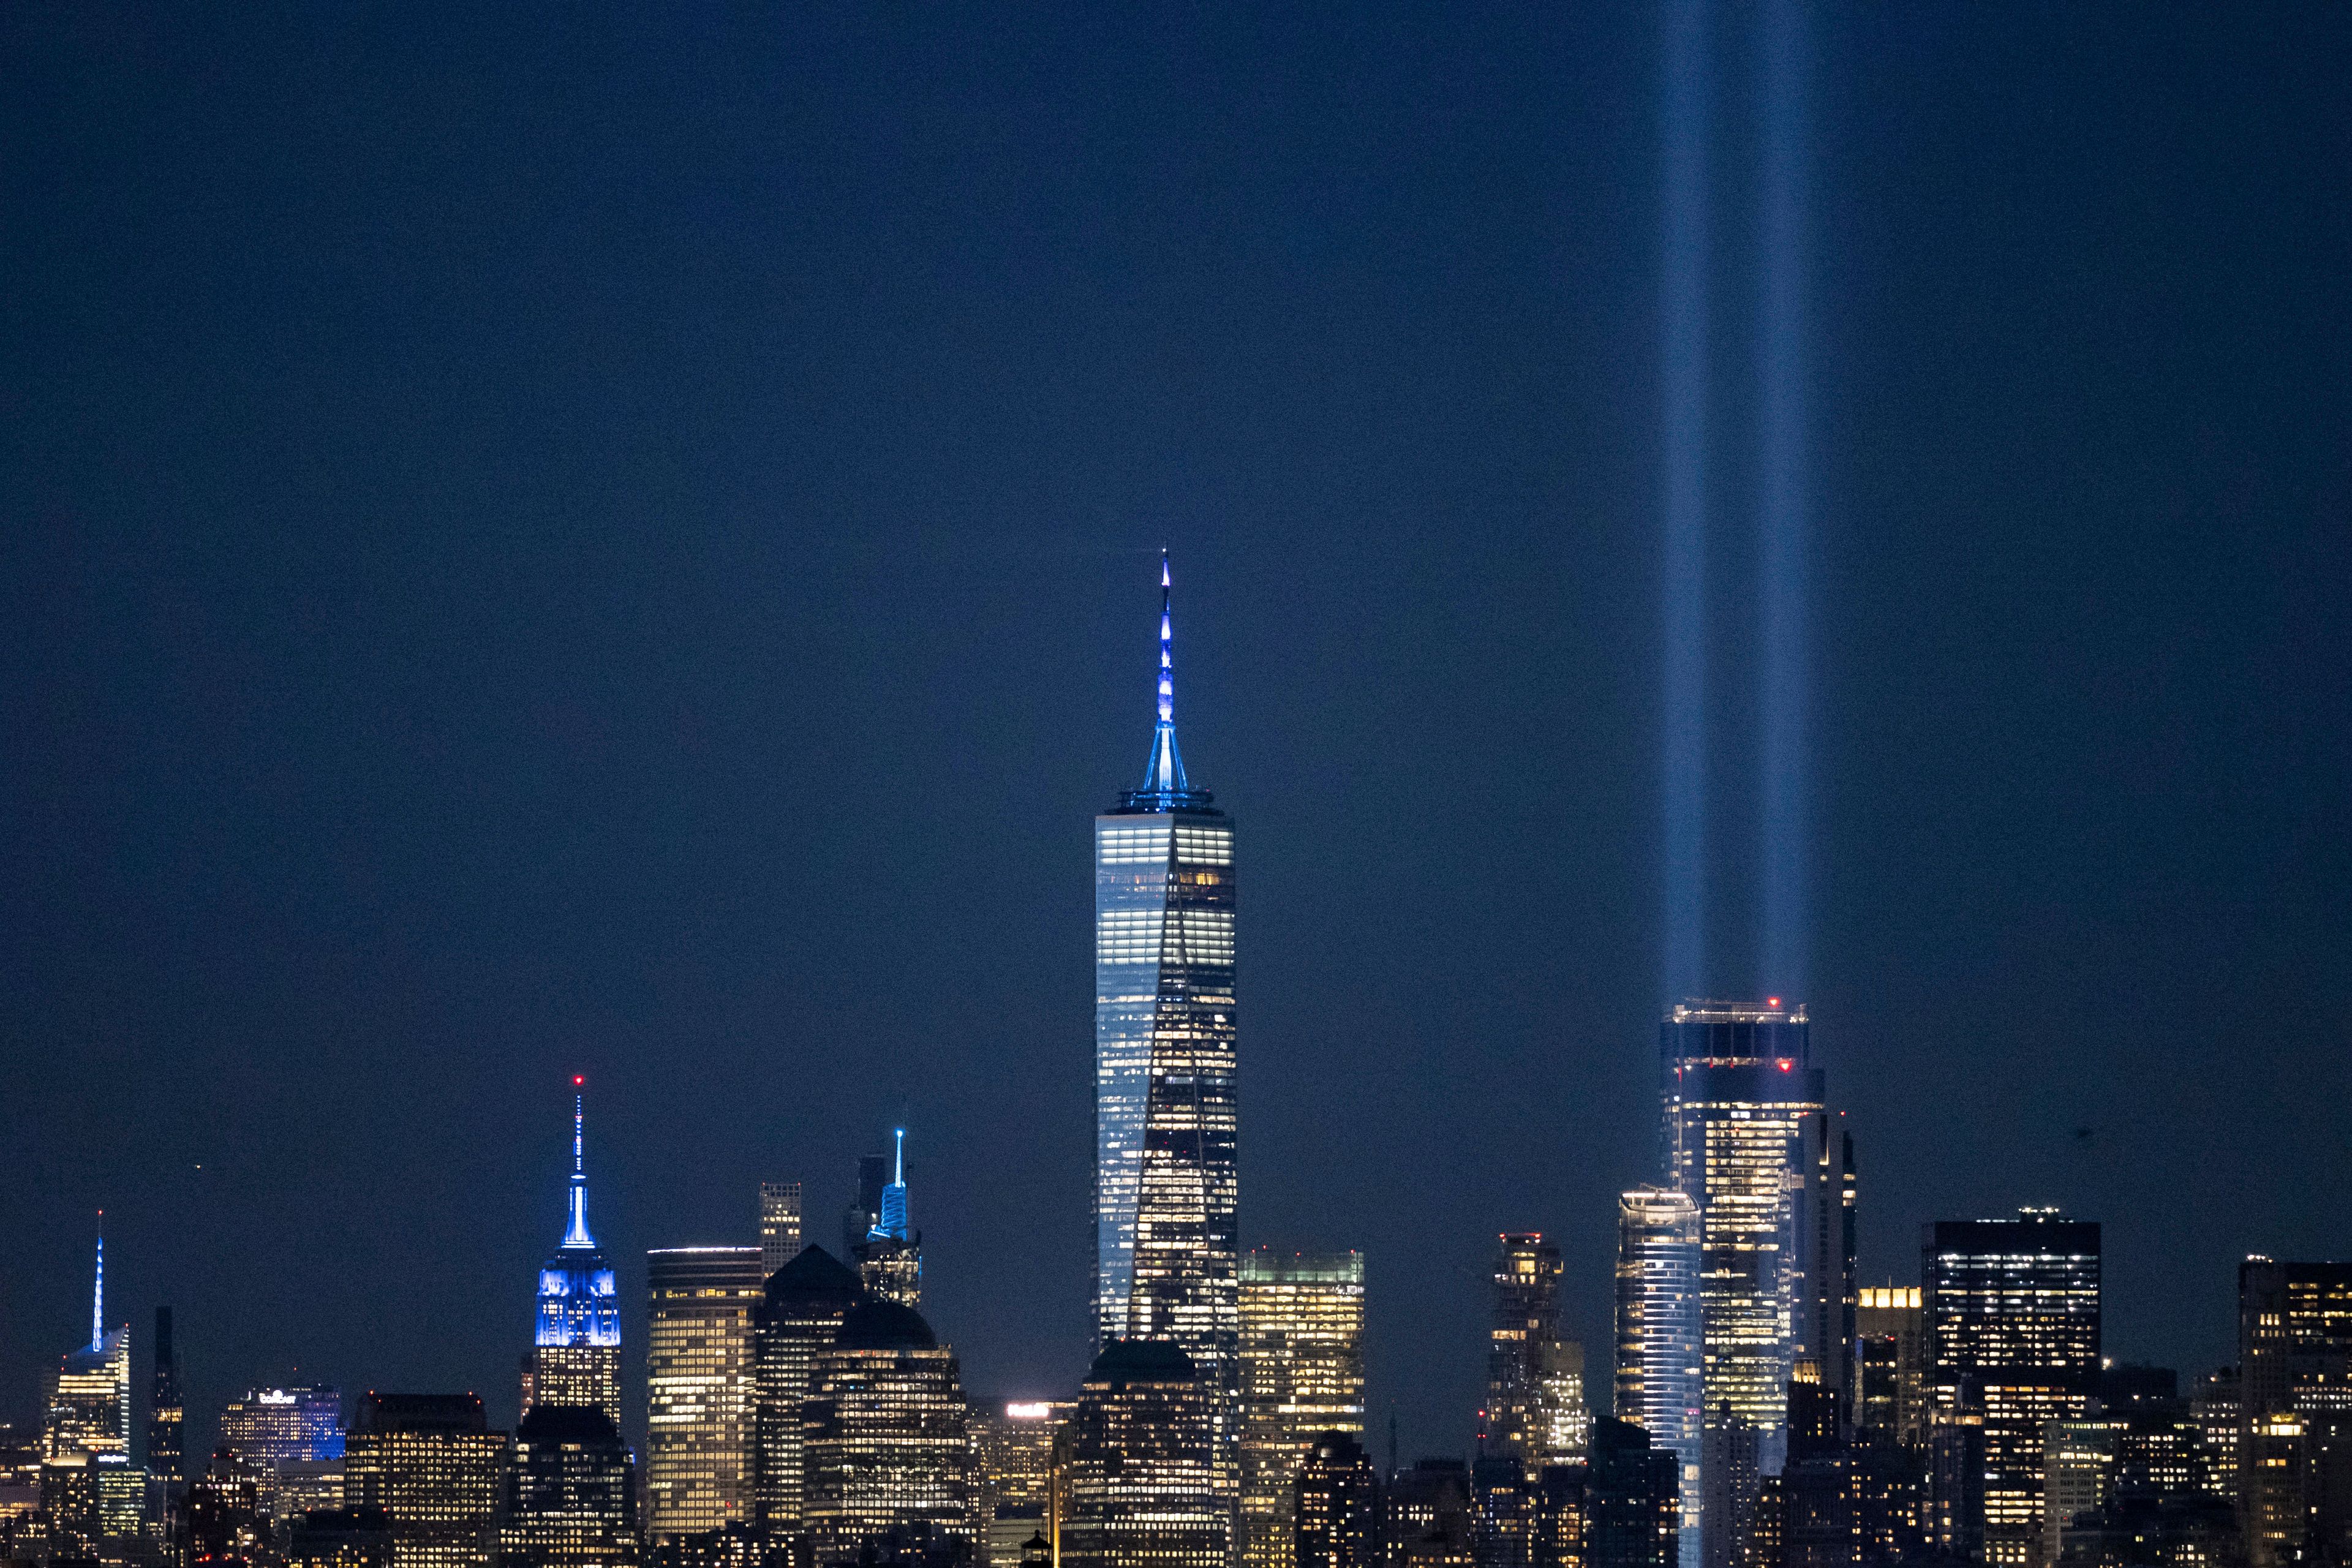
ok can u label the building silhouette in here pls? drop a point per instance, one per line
(432, 1464)
(1335, 1506)
(1142, 1463)
(799, 1314)
(1429, 1521)
(700, 1388)
(166, 1418)
(576, 1341)
(570, 1498)
(1166, 1176)
(1632, 1507)
(1889, 1352)
(1302, 1380)
(887, 1458)
(2295, 1416)
(780, 1225)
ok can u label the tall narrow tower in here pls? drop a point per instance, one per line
(578, 1341)
(890, 1259)
(1166, 1180)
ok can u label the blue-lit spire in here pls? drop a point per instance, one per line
(1164, 775)
(893, 1220)
(97, 1293)
(576, 1237)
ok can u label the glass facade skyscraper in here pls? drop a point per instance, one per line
(700, 1388)
(1302, 1379)
(576, 1347)
(1660, 1365)
(1166, 1176)
(431, 1462)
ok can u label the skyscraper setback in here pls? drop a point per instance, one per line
(1166, 1177)
(576, 1344)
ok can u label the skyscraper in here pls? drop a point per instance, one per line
(890, 1258)
(165, 1418)
(431, 1462)
(90, 1398)
(576, 1349)
(1660, 1372)
(799, 1313)
(1014, 1474)
(1888, 1350)
(293, 1440)
(1525, 1319)
(1336, 1505)
(1822, 1323)
(1738, 1098)
(2295, 1367)
(2011, 1313)
(887, 1458)
(1632, 1508)
(571, 1501)
(698, 1388)
(1142, 1467)
(865, 1211)
(1302, 1382)
(1166, 1178)
(780, 1224)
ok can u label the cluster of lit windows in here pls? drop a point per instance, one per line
(698, 1388)
(886, 1448)
(1301, 1375)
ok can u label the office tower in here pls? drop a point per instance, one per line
(1889, 1352)
(2215, 1408)
(1955, 1446)
(890, 1258)
(1302, 1378)
(886, 1455)
(338, 1537)
(2010, 1310)
(1660, 1372)
(865, 1211)
(571, 1500)
(224, 1524)
(1526, 1320)
(1738, 1099)
(576, 1348)
(780, 1224)
(1166, 1179)
(1729, 1471)
(1633, 1501)
(2078, 1475)
(799, 1313)
(89, 1397)
(293, 1439)
(699, 1387)
(431, 1462)
(1014, 1475)
(1335, 1506)
(165, 1417)
(1143, 1487)
(1821, 1321)
(2295, 1368)
(1429, 1523)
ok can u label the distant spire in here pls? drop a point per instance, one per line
(98, 1294)
(1165, 773)
(893, 1220)
(576, 1237)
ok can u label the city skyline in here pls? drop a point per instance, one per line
(625, 551)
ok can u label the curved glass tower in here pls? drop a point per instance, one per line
(577, 1347)
(1166, 1259)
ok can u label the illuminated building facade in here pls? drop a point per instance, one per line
(2011, 1311)
(1429, 1521)
(1739, 1098)
(2216, 1407)
(571, 1501)
(1889, 1349)
(799, 1314)
(293, 1440)
(887, 1454)
(336, 1538)
(1302, 1379)
(780, 1225)
(1166, 1119)
(1660, 1366)
(576, 1348)
(432, 1464)
(1633, 1501)
(890, 1258)
(1337, 1509)
(2294, 1387)
(1535, 1410)
(89, 1397)
(700, 1388)
(1015, 1476)
(166, 1419)
(1143, 1488)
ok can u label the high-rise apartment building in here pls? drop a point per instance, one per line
(2010, 1310)
(1740, 1098)
(432, 1464)
(1142, 1467)
(888, 1461)
(1889, 1346)
(780, 1224)
(1660, 1367)
(890, 1258)
(571, 1498)
(1525, 1321)
(166, 1419)
(1336, 1507)
(700, 1388)
(2294, 1387)
(1167, 1182)
(576, 1344)
(1302, 1379)
(799, 1314)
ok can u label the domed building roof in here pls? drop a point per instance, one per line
(875, 1324)
(1141, 1361)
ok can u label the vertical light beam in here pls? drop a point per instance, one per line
(1781, 516)
(1682, 355)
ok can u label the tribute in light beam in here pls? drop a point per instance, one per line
(1781, 514)
(1683, 348)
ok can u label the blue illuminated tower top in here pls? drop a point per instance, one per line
(98, 1292)
(892, 1222)
(1165, 788)
(577, 1301)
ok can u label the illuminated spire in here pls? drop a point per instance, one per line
(576, 1237)
(98, 1294)
(893, 1220)
(1164, 775)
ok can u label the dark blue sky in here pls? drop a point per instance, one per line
(623, 544)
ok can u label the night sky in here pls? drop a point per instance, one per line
(625, 543)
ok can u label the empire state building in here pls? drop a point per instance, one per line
(1166, 1179)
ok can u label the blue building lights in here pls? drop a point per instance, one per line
(578, 1304)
